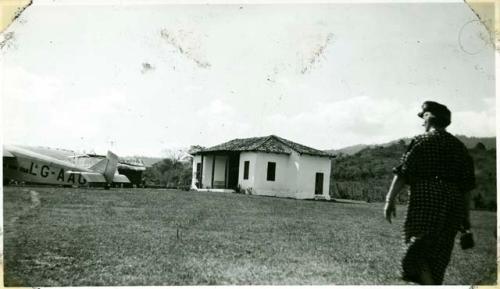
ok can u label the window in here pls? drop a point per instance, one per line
(246, 168)
(271, 171)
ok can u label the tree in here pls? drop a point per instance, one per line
(175, 154)
(174, 171)
(194, 149)
(480, 146)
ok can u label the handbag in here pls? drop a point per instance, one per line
(466, 240)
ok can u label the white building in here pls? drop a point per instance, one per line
(270, 166)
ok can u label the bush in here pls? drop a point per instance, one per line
(169, 173)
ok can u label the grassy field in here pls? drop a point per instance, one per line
(74, 237)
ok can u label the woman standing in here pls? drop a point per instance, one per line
(440, 173)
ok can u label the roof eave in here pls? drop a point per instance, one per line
(237, 151)
(319, 155)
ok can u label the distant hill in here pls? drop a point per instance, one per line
(469, 142)
(366, 174)
(350, 150)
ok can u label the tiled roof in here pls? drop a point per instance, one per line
(270, 144)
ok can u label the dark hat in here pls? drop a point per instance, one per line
(440, 111)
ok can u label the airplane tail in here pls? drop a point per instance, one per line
(109, 172)
(100, 166)
(107, 166)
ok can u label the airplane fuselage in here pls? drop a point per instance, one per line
(33, 168)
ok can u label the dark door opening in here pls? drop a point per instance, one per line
(198, 175)
(318, 187)
(271, 171)
(233, 171)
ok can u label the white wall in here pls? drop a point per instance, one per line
(285, 176)
(280, 186)
(207, 171)
(220, 171)
(309, 166)
(196, 159)
(252, 158)
(295, 174)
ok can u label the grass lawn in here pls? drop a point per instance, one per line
(91, 237)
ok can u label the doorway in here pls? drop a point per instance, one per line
(233, 170)
(318, 187)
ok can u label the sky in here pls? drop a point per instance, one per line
(142, 79)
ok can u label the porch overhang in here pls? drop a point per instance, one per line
(222, 170)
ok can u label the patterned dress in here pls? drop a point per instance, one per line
(439, 171)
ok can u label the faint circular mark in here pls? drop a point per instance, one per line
(473, 37)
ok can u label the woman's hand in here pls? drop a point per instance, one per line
(389, 210)
(390, 200)
(466, 223)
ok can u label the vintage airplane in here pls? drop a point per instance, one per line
(24, 165)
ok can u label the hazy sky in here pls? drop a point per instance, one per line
(142, 78)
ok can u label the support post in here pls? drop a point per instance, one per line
(213, 171)
(226, 171)
(201, 173)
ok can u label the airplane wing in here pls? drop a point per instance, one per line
(7, 154)
(120, 179)
(90, 177)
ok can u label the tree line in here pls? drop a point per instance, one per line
(174, 171)
(366, 175)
